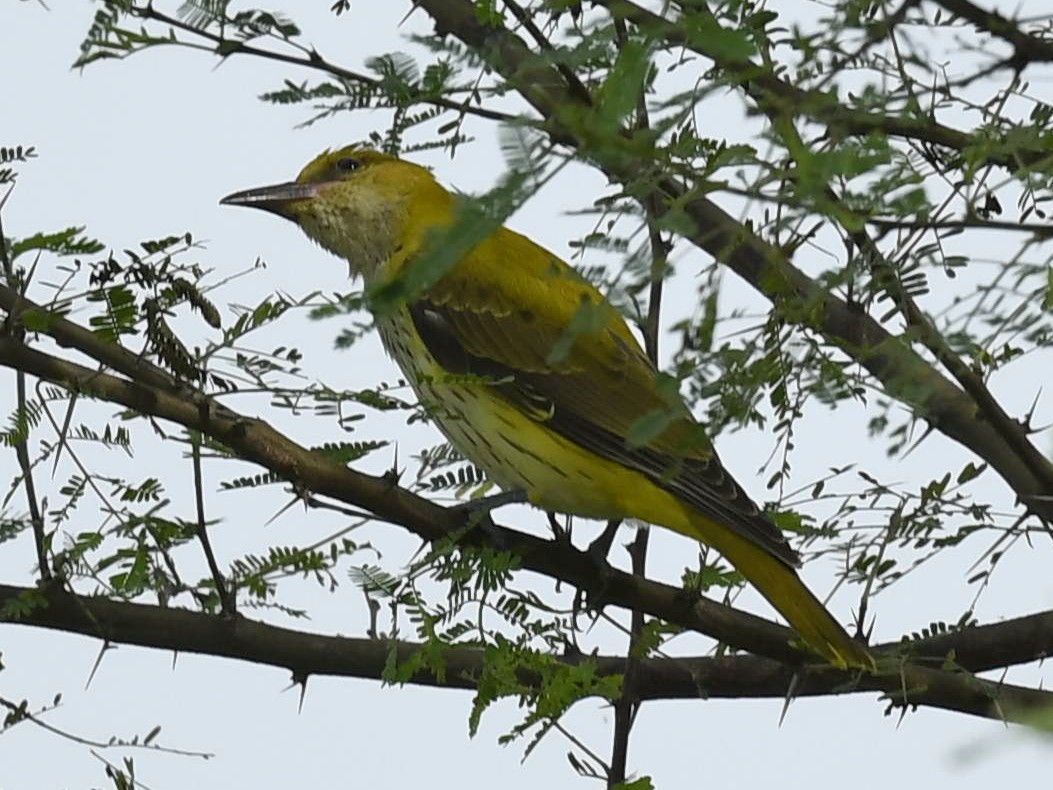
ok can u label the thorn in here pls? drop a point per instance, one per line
(790, 689)
(902, 714)
(1027, 421)
(393, 475)
(929, 428)
(299, 679)
(300, 494)
(98, 662)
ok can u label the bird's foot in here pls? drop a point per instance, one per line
(600, 549)
(594, 594)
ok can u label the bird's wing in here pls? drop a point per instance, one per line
(550, 342)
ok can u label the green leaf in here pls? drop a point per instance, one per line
(62, 242)
(23, 604)
(37, 320)
(589, 317)
(718, 42)
(620, 93)
(648, 427)
(971, 472)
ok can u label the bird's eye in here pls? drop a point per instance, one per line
(347, 165)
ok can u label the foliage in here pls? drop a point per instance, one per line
(869, 165)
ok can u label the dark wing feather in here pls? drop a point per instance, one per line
(593, 395)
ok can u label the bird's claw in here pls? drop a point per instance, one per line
(600, 549)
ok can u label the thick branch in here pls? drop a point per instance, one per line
(71, 335)
(305, 654)
(1026, 48)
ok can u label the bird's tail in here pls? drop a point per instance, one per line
(781, 585)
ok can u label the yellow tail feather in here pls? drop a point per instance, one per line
(784, 589)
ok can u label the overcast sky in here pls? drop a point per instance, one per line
(145, 148)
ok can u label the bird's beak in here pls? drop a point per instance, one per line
(278, 199)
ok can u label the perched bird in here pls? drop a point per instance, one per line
(534, 376)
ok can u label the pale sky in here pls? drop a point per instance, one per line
(144, 148)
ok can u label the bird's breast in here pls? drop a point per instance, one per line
(518, 451)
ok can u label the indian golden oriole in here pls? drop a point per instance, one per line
(541, 408)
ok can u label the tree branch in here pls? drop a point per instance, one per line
(305, 654)
(36, 518)
(1026, 48)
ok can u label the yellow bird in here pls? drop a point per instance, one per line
(535, 377)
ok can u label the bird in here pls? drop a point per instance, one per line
(533, 375)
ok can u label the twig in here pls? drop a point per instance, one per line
(21, 714)
(628, 704)
(225, 47)
(25, 463)
(226, 597)
(1026, 48)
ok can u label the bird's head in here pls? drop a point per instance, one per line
(359, 204)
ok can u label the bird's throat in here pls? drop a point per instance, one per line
(362, 231)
